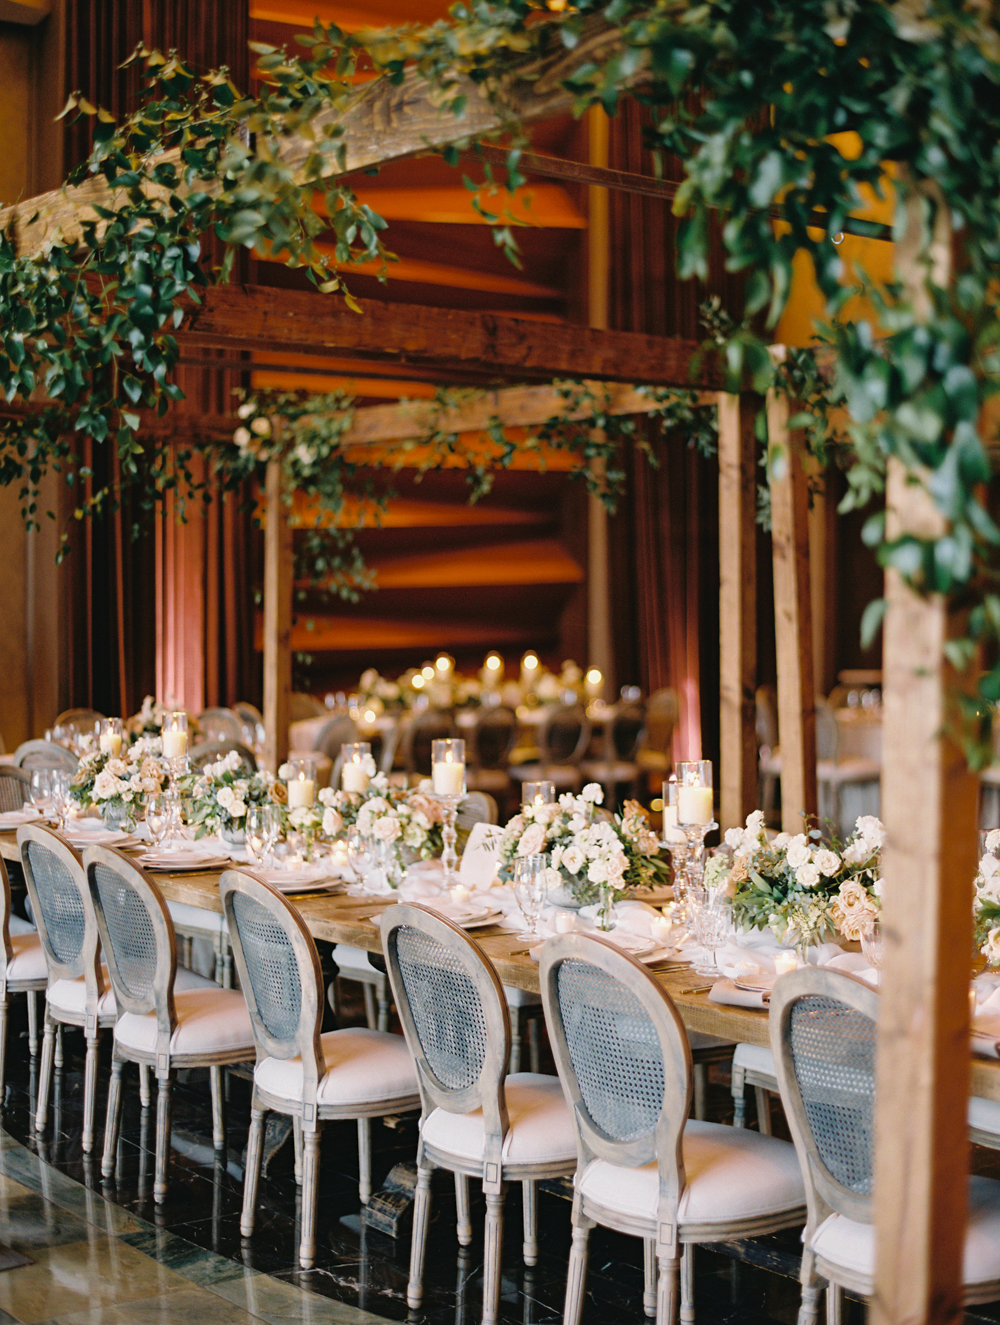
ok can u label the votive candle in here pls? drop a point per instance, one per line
(174, 735)
(301, 784)
(448, 767)
(354, 773)
(110, 738)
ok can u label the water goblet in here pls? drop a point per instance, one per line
(59, 790)
(256, 834)
(272, 828)
(41, 789)
(157, 817)
(361, 858)
(872, 945)
(710, 911)
(530, 889)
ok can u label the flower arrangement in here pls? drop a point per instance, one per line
(221, 793)
(149, 721)
(386, 814)
(986, 904)
(118, 784)
(586, 855)
(803, 889)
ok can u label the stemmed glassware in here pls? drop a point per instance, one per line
(361, 858)
(157, 817)
(872, 945)
(530, 889)
(711, 919)
(59, 792)
(675, 841)
(256, 834)
(41, 790)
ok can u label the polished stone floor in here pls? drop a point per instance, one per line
(101, 1251)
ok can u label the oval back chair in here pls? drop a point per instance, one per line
(220, 724)
(625, 1063)
(15, 788)
(562, 743)
(351, 1073)
(475, 1121)
(77, 992)
(24, 971)
(211, 751)
(417, 735)
(45, 754)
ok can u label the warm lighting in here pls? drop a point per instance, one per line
(494, 662)
(656, 804)
(784, 962)
(370, 716)
(301, 783)
(427, 672)
(593, 683)
(444, 666)
(110, 738)
(448, 767)
(694, 792)
(529, 662)
(418, 681)
(355, 771)
(529, 670)
(174, 733)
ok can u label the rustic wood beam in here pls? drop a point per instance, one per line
(930, 811)
(792, 620)
(495, 346)
(278, 587)
(737, 607)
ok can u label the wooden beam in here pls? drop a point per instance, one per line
(929, 807)
(278, 583)
(252, 318)
(792, 620)
(737, 607)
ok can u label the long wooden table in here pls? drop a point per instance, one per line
(338, 918)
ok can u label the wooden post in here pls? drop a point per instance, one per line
(737, 607)
(929, 807)
(792, 620)
(278, 581)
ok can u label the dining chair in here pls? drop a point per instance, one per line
(476, 807)
(160, 1025)
(562, 742)
(417, 736)
(753, 1065)
(302, 707)
(44, 754)
(253, 723)
(476, 1121)
(77, 991)
(645, 1167)
(220, 724)
(823, 1027)
(24, 972)
(834, 772)
(312, 1078)
(15, 788)
(655, 755)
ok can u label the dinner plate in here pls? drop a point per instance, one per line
(755, 984)
(296, 880)
(16, 818)
(183, 862)
(103, 837)
(636, 945)
(317, 886)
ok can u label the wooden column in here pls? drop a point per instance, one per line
(792, 620)
(929, 807)
(278, 582)
(737, 607)
(600, 653)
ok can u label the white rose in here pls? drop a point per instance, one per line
(593, 793)
(807, 876)
(827, 862)
(246, 409)
(616, 866)
(532, 840)
(597, 871)
(572, 858)
(261, 426)
(285, 772)
(856, 853)
(871, 829)
(988, 866)
(226, 796)
(993, 840)
(326, 795)
(734, 837)
(877, 887)
(781, 841)
(387, 829)
(238, 809)
(798, 852)
(991, 948)
(553, 879)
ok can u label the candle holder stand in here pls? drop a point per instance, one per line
(449, 803)
(694, 864)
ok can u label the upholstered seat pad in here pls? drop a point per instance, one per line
(362, 1067)
(541, 1126)
(732, 1174)
(196, 917)
(755, 1058)
(209, 1020)
(70, 996)
(18, 925)
(851, 1245)
(521, 998)
(28, 961)
(350, 960)
(984, 1114)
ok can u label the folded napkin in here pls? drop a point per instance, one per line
(15, 818)
(287, 879)
(985, 1029)
(633, 917)
(756, 964)
(725, 991)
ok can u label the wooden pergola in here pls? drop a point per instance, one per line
(929, 800)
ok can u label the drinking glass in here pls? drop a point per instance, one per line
(59, 791)
(41, 789)
(272, 828)
(872, 945)
(361, 857)
(530, 889)
(257, 834)
(711, 916)
(157, 817)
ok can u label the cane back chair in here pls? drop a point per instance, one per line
(476, 1121)
(351, 1073)
(23, 972)
(160, 1025)
(823, 1026)
(15, 788)
(644, 1167)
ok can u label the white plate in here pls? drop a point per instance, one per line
(319, 886)
(637, 945)
(183, 862)
(296, 880)
(102, 837)
(16, 818)
(755, 984)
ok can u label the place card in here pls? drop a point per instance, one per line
(479, 859)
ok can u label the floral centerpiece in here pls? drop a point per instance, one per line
(986, 904)
(586, 855)
(221, 793)
(384, 813)
(117, 785)
(149, 721)
(802, 889)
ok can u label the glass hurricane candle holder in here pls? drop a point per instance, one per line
(448, 784)
(354, 775)
(174, 735)
(694, 817)
(538, 793)
(301, 783)
(109, 738)
(675, 841)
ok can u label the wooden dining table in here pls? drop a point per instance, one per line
(340, 918)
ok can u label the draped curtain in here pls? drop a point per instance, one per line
(146, 591)
(664, 538)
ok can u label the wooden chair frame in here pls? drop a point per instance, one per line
(160, 1001)
(85, 966)
(440, 721)
(541, 768)
(666, 1240)
(7, 987)
(54, 755)
(308, 1114)
(10, 774)
(486, 1093)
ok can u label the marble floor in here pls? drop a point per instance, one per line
(102, 1252)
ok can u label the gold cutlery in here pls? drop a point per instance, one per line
(698, 989)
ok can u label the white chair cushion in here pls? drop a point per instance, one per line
(732, 1174)
(755, 1058)
(196, 917)
(846, 1243)
(19, 926)
(541, 1125)
(521, 998)
(185, 979)
(71, 996)
(209, 1020)
(853, 769)
(28, 961)
(353, 964)
(984, 1114)
(362, 1067)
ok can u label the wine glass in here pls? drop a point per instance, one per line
(272, 829)
(872, 945)
(41, 789)
(257, 834)
(361, 858)
(59, 793)
(530, 889)
(711, 914)
(157, 817)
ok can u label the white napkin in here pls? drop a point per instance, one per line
(15, 818)
(289, 878)
(633, 917)
(985, 1037)
(734, 961)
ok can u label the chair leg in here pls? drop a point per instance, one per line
(114, 1117)
(812, 1286)
(59, 1047)
(418, 1242)
(383, 1005)
(371, 1017)
(251, 1171)
(33, 1022)
(687, 1284)
(576, 1276)
(90, 1091)
(739, 1086)
(834, 1304)
(492, 1254)
(535, 1043)
(310, 1174)
(763, 1110)
(4, 1009)
(164, 1111)
(216, 1076)
(649, 1277)
(530, 1202)
(297, 1141)
(227, 962)
(666, 1289)
(515, 1040)
(463, 1218)
(364, 1159)
(45, 1073)
(700, 1084)
(145, 1096)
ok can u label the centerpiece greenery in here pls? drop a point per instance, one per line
(220, 794)
(117, 785)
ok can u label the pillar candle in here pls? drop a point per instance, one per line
(301, 792)
(694, 805)
(175, 744)
(111, 744)
(353, 778)
(448, 779)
